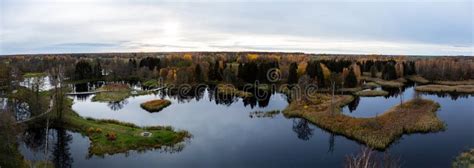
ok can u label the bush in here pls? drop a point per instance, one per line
(111, 136)
(90, 130)
(98, 130)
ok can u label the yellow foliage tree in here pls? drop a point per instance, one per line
(252, 57)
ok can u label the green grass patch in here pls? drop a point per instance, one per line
(446, 88)
(151, 83)
(371, 93)
(111, 96)
(111, 136)
(155, 105)
(112, 93)
(414, 116)
(34, 74)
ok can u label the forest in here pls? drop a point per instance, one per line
(239, 68)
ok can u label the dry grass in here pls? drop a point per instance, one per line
(229, 90)
(379, 132)
(418, 79)
(453, 83)
(465, 159)
(371, 85)
(392, 84)
(371, 93)
(446, 88)
(155, 105)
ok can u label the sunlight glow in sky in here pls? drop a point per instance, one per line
(426, 27)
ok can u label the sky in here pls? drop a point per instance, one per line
(418, 27)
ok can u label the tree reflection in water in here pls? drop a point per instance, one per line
(61, 155)
(302, 129)
(331, 143)
(115, 106)
(353, 105)
(22, 111)
(34, 138)
(261, 99)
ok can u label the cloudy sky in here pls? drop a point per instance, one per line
(418, 27)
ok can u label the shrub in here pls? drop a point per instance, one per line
(111, 136)
(98, 130)
(90, 130)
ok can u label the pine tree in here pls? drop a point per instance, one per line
(319, 74)
(292, 74)
(311, 69)
(373, 71)
(389, 72)
(351, 79)
(198, 73)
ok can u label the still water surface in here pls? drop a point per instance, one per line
(224, 134)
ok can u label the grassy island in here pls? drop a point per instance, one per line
(155, 105)
(379, 132)
(110, 136)
(446, 88)
(465, 159)
(229, 90)
(454, 83)
(371, 93)
(418, 79)
(112, 93)
(392, 83)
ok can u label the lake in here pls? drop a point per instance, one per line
(226, 135)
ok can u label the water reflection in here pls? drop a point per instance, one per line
(353, 105)
(34, 138)
(61, 155)
(22, 111)
(115, 106)
(302, 129)
(452, 95)
(225, 136)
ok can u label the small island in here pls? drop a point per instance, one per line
(155, 105)
(414, 116)
(112, 92)
(371, 93)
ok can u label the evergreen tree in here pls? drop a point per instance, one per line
(198, 73)
(98, 70)
(311, 69)
(389, 72)
(351, 79)
(240, 72)
(373, 71)
(83, 70)
(217, 71)
(320, 74)
(292, 73)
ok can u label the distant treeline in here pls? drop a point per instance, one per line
(239, 67)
